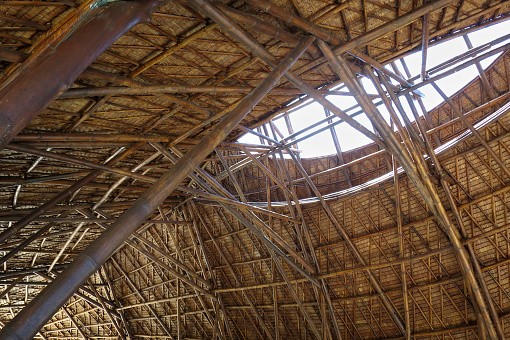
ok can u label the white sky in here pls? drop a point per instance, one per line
(322, 143)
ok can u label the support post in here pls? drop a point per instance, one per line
(46, 77)
(29, 320)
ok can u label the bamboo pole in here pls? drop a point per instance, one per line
(380, 31)
(167, 256)
(262, 26)
(36, 86)
(172, 49)
(107, 310)
(182, 258)
(13, 56)
(225, 202)
(50, 299)
(322, 295)
(166, 89)
(401, 253)
(354, 250)
(463, 256)
(419, 176)
(205, 6)
(470, 248)
(425, 45)
(455, 69)
(80, 294)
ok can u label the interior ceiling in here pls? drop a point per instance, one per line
(388, 241)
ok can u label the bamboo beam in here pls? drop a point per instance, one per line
(231, 269)
(225, 202)
(86, 137)
(264, 27)
(85, 220)
(470, 126)
(107, 310)
(354, 250)
(162, 55)
(425, 45)
(80, 294)
(159, 89)
(454, 69)
(13, 56)
(400, 232)
(162, 264)
(456, 29)
(470, 248)
(464, 257)
(381, 31)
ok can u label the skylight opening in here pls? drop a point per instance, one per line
(318, 141)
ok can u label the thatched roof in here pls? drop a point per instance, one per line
(256, 243)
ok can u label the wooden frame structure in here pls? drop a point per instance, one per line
(129, 209)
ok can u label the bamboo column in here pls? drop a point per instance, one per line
(29, 320)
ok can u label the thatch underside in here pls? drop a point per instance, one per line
(407, 237)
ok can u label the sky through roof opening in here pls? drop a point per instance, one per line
(321, 144)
